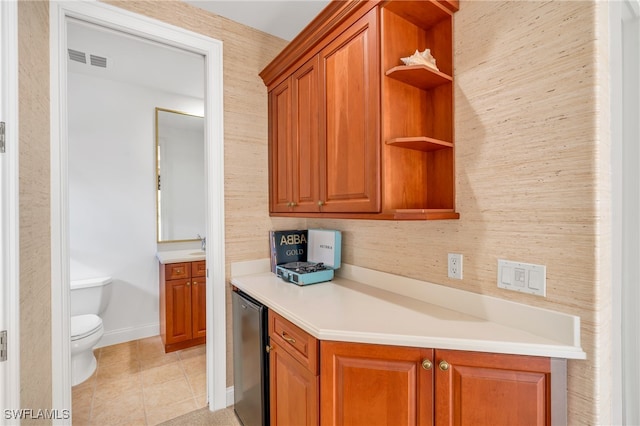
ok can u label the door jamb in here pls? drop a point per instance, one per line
(9, 216)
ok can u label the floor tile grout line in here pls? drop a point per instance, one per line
(138, 359)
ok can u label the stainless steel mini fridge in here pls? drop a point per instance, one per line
(250, 360)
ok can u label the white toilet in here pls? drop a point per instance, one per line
(89, 298)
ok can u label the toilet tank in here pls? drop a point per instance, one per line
(90, 296)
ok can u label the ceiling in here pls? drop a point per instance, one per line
(142, 62)
(284, 19)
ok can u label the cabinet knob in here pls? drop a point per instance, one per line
(427, 364)
(269, 348)
(320, 203)
(292, 204)
(188, 284)
(444, 365)
(195, 283)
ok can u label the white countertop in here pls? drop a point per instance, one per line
(427, 315)
(177, 256)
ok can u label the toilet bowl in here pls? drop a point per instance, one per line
(89, 298)
(86, 331)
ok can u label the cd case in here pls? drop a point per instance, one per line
(324, 251)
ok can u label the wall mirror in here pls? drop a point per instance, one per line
(180, 176)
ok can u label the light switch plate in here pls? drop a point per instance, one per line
(523, 277)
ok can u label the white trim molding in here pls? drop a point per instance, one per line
(9, 216)
(137, 25)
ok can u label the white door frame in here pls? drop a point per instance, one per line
(128, 22)
(624, 31)
(9, 237)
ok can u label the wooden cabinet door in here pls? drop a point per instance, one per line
(363, 384)
(492, 389)
(293, 390)
(350, 156)
(198, 307)
(304, 135)
(280, 148)
(178, 311)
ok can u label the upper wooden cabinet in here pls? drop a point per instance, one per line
(354, 133)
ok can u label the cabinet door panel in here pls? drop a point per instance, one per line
(305, 137)
(365, 384)
(178, 316)
(351, 88)
(280, 147)
(490, 389)
(293, 390)
(199, 307)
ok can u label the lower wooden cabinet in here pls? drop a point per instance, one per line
(293, 374)
(183, 305)
(476, 388)
(363, 384)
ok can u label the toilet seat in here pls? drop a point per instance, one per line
(84, 325)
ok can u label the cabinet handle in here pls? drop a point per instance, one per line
(269, 348)
(427, 364)
(288, 339)
(292, 204)
(444, 365)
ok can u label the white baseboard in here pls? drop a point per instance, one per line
(128, 334)
(229, 396)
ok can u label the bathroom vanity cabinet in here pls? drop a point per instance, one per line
(183, 304)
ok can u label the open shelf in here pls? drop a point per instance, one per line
(420, 143)
(420, 76)
(424, 214)
(426, 16)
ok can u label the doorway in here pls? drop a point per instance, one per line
(136, 25)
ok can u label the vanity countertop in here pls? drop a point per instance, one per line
(178, 256)
(367, 306)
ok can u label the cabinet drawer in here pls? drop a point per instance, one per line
(199, 268)
(297, 342)
(174, 271)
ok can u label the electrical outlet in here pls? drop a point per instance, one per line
(454, 266)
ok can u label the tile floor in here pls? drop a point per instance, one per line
(136, 383)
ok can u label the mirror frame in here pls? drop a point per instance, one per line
(157, 169)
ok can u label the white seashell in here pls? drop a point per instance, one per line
(421, 58)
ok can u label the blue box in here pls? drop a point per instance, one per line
(324, 251)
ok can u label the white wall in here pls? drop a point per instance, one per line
(112, 196)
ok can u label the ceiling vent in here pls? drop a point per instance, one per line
(95, 60)
(77, 56)
(98, 61)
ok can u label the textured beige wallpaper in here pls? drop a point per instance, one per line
(35, 258)
(531, 156)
